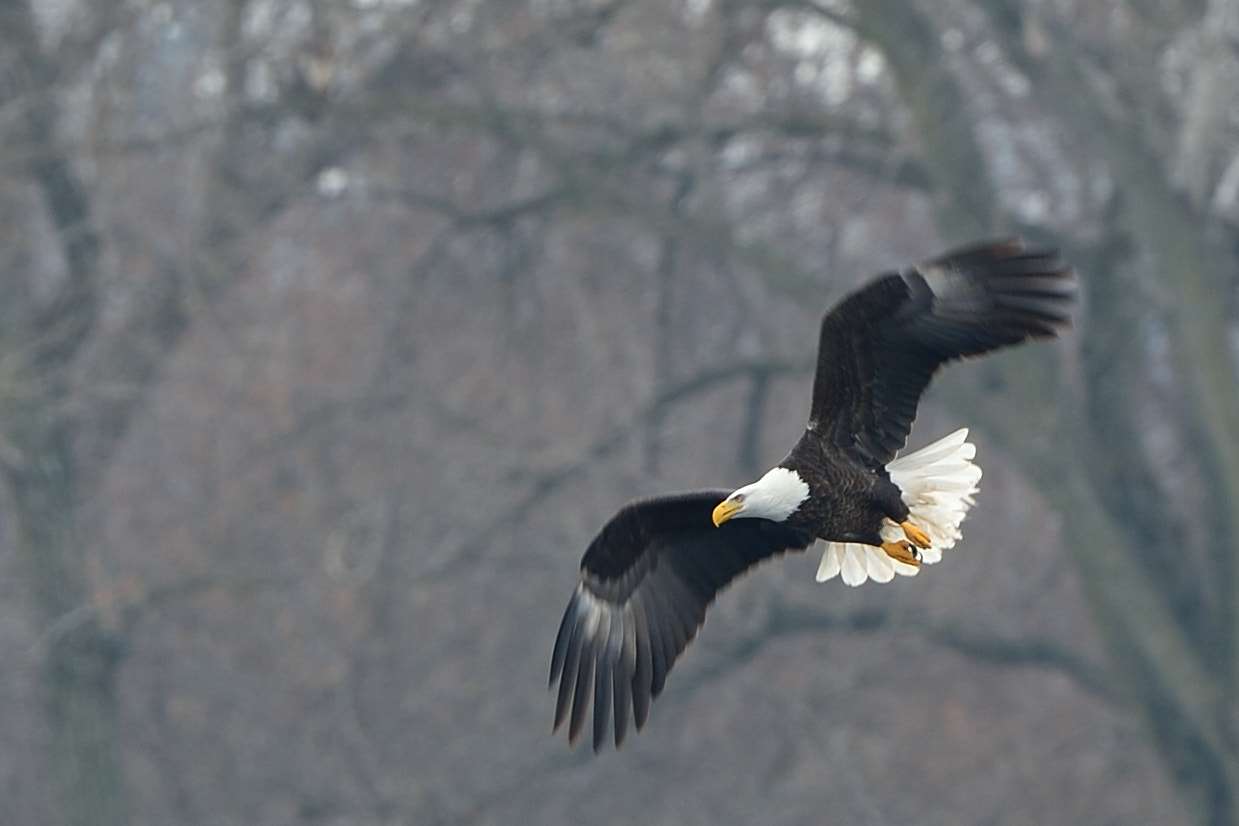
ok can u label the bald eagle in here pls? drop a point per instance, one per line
(650, 573)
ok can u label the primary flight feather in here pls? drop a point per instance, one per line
(650, 573)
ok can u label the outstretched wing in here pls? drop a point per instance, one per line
(646, 581)
(883, 343)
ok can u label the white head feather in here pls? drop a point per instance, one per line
(774, 496)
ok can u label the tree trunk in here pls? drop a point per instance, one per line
(79, 660)
(38, 345)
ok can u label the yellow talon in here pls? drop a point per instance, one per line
(917, 536)
(902, 551)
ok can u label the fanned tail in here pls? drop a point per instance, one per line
(938, 482)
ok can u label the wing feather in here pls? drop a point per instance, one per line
(881, 345)
(567, 674)
(625, 672)
(584, 687)
(646, 581)
(644, 673)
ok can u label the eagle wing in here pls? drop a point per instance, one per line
(646, 581)
(882, 344)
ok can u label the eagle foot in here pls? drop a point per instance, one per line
(917, 536)
(903, 551)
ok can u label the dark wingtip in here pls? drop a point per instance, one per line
(584, 689)
(1030, 292)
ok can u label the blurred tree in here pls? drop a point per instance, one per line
(43, 329)
(71, 381)
(407, 238)
(1146, 476)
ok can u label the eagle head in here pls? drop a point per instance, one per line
(774, 496)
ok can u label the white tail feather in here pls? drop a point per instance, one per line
(938, 482)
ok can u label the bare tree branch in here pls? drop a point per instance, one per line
(464, 547)
(784, 619)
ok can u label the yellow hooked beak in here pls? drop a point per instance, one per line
(725, 510)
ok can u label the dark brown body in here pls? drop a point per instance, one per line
(847, 499)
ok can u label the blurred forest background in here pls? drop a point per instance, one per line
(330, 332)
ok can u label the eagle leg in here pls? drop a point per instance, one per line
(902, 551)
(917, 536)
